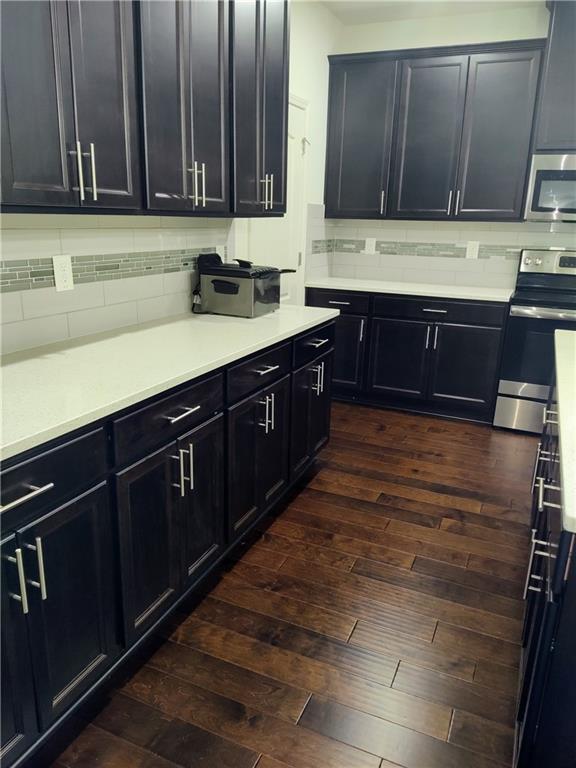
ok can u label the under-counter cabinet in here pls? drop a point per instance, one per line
(259, 66)
(360, 120)
(78, 146)
(311, 411)
(185, 89)
(399, 357)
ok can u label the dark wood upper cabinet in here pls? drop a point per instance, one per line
(360, 119)
(260, 105)
(185, 88)
(202, 505)
(399, 357)
(429, 128)
(150, 552)
(70, 554)
(19, 725)
(465, 364)
(37, 105)
(104, 77)
(556, 129)
(69, 116)
(500, 100)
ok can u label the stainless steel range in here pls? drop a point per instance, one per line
(544, 300)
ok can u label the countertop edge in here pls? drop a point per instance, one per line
(11, 450)
(501, 295)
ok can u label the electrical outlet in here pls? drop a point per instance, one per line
(472, 248)
(63, 272)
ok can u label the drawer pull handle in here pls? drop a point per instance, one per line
(34, 492)
(439, 311)
(22, 598)
(318, 343)
(41, 585)
(266, 369)
(187, 412)
(340, 303)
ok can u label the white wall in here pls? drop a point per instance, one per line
(457, 29)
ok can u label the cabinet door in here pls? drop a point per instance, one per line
(208, 48)
(71, 556)
(37, 109)
(275, 99)
(496, 138)
(247, 106)
(272, 444)
(104, 75)
(202, 505)
(361, 111)
(18, 711)
(465, 364)
(165, 86)
(557, 109)
(244, 419)
(399, 357)
(149, 538)
(320, 406)
(300, 449)
(349, 352)
(428, 136)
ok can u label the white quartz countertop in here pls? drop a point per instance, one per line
(565, 349)
(50, 391)
(413, 289)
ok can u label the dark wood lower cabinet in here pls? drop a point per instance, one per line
(398, 357)
(69, 559)
(464, 364)
(18, 714)
(310, 424)
(351, 333)
(258, 430)
(202, 505)
(149, 537)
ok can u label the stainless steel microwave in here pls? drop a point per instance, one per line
(552, 188)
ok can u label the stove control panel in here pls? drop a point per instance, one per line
(552, 261)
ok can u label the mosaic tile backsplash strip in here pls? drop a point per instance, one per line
(404, 248)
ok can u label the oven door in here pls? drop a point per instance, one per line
(527, 365)
(552, 188)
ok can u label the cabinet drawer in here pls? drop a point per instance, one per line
(51, 476)
(311, 345)
(165, 419)
(258, 371)
(345, 301)
(475, 312)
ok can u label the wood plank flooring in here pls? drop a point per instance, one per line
(374, 624)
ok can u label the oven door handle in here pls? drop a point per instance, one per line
(542, 313)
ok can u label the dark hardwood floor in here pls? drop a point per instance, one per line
(375, 623)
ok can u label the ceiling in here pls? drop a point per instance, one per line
(370, 11)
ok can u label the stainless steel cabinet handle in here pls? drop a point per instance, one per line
(204, 185)
(22, 598)
(273, 411)
(381, 202)
(540, 494)
(535, 472)
(427, 336)
(449, 203)
(340, 303)
(183, 478)
(266, 369)
(437, 311)
(318, 343)
(361, 330)
(93, 167)
(80, 171)
(546, 416)
(435, 336)
(457, 206)
(265, 403)
(35, 491)
(271, 191)
(187, 412)
(530, 561)
(265, 182)
(191, 455)
(318, 371)
(41, 585)
(322, 378)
